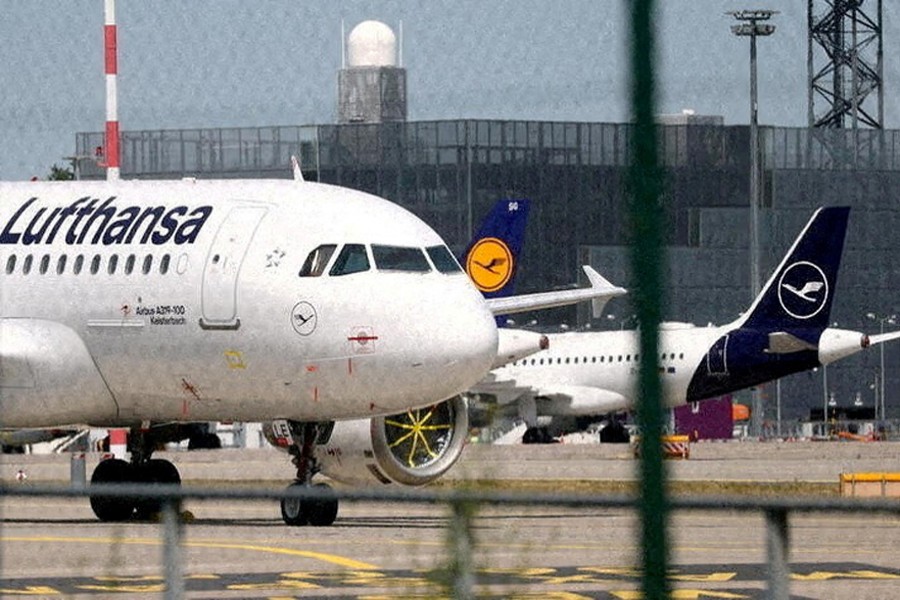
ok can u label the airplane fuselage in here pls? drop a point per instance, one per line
(188, 301)
(597, 372)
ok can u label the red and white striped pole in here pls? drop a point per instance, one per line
(112, 111)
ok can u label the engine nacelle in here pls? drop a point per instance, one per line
(412, 448)
(835, 344)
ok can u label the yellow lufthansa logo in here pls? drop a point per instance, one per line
(489, 264)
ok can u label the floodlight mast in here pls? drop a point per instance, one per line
(750, 26)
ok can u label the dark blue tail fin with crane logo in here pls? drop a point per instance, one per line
(800, 292)
(786, 330)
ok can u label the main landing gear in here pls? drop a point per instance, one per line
(141, 469)
(320, 511)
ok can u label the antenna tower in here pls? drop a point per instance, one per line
(845, 64)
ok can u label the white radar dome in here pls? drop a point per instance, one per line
(372, 44)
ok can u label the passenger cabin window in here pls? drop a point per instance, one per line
(79, 262)
(95, 264)
(317, 260)
(443, 259)
(10, 264)
(129, 264)
(61, 265)
(148, 264)
(113, 262)
(26, 265)
(45, 263)
(351, 259)
(164, 264)
(400, 258)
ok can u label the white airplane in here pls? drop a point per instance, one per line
(152, 305)
(148, 305)
(785, 331)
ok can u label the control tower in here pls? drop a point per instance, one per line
(371, 85)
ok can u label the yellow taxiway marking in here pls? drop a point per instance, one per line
(827, 575)
(334, 559)
(678, 594)
(31, 590)
(543, 595)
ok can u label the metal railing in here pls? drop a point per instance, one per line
(776, 512)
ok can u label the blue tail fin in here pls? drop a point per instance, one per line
(800, 292)
(491, 260)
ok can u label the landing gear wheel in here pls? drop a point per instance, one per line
(154, 471)
(204, 441)
(112, 508)
(321, 512)
(293, 509)
(537, 435)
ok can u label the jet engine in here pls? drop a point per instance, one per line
(411, 448)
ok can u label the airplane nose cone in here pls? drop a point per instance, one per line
(463, 341)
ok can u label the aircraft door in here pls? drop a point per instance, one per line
(717, 357)
(223, 266)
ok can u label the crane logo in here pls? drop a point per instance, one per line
(489, 264)
(303, 318)
(803, 290)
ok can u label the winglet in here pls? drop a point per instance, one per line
(295, 166)
(599, 282)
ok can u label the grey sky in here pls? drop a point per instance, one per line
(225, 63)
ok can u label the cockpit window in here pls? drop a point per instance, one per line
(351, 259)
(398, 258)
(315, 263)
(443, 260)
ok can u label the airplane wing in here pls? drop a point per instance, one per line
(554, 400)
(599, 293)
(579, 400)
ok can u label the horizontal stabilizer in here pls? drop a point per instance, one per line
(883, 337)
(781, 342)
(599, 293)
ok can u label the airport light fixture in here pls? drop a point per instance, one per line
(751, 24)
(882, 319)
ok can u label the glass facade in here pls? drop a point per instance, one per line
(451, 172)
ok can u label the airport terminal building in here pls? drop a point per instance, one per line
(451, 172)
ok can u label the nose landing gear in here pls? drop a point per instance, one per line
(319, 511)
